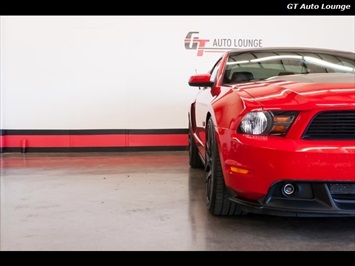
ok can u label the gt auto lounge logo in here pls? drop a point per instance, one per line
(217, 45)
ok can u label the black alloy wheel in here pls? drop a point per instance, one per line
(217, 196)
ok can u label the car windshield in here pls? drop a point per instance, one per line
(247, 66)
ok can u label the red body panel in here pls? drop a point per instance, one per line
(271, 159)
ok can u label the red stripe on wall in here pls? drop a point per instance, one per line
(157, 140)
(119, 140)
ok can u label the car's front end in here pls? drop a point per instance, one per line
(294, 155)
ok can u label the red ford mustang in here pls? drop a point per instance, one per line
(274, 130)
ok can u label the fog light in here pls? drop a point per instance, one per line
(288, 189)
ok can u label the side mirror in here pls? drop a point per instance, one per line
(201, 80)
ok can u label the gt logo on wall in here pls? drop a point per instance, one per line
(217, 45)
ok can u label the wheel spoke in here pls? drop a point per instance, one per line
(209, 185)
(208, 167)
(209, 170)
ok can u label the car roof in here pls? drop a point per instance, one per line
(294, 49)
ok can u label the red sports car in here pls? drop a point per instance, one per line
(274, 130)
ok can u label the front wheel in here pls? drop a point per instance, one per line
(217, 196)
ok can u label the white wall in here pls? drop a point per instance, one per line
(128, 72)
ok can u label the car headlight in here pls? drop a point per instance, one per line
(256, 123)
(267, 123)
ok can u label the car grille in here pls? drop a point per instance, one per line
(339, 125)
(343, 194)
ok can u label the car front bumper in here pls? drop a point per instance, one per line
(265, 164)
(313, 199)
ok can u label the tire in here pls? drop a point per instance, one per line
(194, 157)
(217, 196)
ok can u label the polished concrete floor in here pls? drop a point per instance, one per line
(142, 201)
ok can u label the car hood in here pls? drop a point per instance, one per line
(302, 91)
